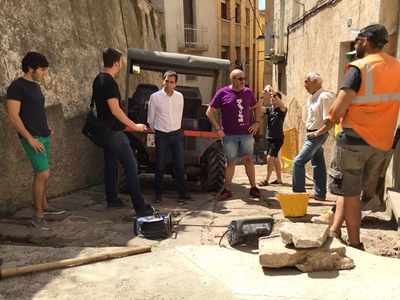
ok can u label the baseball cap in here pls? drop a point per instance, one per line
(376, 33)
(349, 55)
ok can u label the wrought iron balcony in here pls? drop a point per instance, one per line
(195, 38)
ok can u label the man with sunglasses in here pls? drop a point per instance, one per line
(165, 113)
(368, 104)
(235, 103)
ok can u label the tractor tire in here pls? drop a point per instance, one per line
(213, 170)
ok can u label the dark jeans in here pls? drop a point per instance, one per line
(117, 149)
(174, 142)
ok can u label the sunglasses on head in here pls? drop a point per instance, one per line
(239, 78)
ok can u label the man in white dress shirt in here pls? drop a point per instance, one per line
(318, 105)
(165, 112)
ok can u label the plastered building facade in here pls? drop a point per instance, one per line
(314, 35)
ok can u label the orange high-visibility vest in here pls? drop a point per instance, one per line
(374, 111)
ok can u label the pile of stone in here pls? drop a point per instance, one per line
(306, 246)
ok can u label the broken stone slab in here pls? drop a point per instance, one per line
(324, 261)
(330, 256)
(304, 235)
(23, 233)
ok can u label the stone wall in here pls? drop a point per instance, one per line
(72, 34)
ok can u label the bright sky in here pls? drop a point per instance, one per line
(261, 4)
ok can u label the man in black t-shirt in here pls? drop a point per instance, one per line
(117, 148)
(276, 115)
(26, 112)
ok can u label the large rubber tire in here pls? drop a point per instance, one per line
(213, 170)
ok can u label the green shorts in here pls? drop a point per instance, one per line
(40, 160)
(353, 163)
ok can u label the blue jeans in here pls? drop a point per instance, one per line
(312, 150)
(238, 144)
(174, 142)
(117, 148)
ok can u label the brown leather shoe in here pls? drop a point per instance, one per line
(315, 197)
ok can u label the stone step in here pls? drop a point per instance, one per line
(394, 204)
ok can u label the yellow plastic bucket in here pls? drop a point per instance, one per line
(293, 204)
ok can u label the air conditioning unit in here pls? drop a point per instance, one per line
(278, 58)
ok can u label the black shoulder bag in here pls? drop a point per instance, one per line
(95, 129)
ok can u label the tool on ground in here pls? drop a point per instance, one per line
(153, 227)
(244, 231)
(376, 201)
(4, 273)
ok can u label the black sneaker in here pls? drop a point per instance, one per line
(116, 205)
(187, 196)
(315, 197)
(158, 199)
(146, 210)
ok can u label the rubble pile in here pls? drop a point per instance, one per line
(306, 246)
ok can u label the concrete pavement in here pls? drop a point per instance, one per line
(188, 265)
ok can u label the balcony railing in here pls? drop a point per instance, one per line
(195, 38)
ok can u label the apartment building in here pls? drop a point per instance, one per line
(238, 26)
(214, 28)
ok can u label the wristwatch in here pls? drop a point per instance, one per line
(315, 134)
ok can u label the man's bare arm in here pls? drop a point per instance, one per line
(119, 114)
(329, 124)
(257, 116)
(13, 109)
(213, 120)
(281, 104)
(342, 102)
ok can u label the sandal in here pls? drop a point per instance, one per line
(337, 235)
(263, 183)
(276, 182)
(360, 246)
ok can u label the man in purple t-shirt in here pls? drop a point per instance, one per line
(235, 102)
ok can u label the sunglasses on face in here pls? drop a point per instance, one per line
(239, 78)
(359, 38)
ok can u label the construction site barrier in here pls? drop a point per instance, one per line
(290, 148)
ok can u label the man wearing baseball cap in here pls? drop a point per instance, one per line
(375, 33)
(369, 104)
